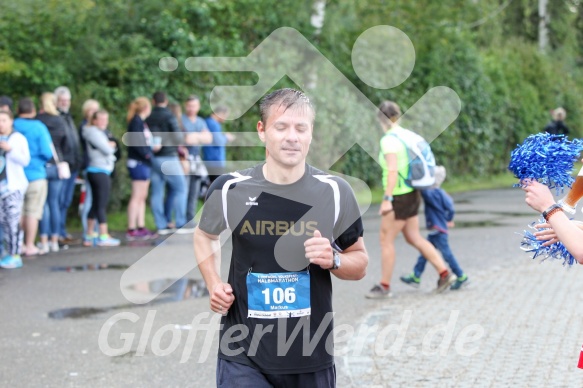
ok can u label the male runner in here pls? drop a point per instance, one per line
(292, 227)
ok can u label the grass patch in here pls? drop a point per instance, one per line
(456, 184)
(461, 184)
(117, 221)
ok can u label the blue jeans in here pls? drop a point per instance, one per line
(193, 186)
(173, 176)
(67, 192)
(440, 242)
(86, 207)
(51, 221)
(192, 183)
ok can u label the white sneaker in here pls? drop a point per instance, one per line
(43, 249)
(163, 232)
(54, 246)
(185, 230)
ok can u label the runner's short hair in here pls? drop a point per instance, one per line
(286, 98)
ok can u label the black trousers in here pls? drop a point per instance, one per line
(100, 183)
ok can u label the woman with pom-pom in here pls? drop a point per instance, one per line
(558, 227)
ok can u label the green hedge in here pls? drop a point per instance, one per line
(109, 50)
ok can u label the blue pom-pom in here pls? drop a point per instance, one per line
(546, 158)
(556, 251)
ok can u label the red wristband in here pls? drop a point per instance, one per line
(552, 212)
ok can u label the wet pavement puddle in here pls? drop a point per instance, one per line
(179, 290)
(89, 267)
(476, 224)
(503, 214)
(76, 312)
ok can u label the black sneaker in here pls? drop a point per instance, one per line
(378, 292)
(446, 282)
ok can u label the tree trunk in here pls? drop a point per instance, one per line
(317, 21)
(543, 30)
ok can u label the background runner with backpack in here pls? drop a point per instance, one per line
(408, 165)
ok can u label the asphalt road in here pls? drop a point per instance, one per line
(65, 327)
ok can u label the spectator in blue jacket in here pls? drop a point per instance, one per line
(39, 144)
(215, 154)
(439, 212)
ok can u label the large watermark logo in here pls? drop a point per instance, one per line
(352, 341)
(382, 57)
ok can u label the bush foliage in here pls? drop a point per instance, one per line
(486, 51)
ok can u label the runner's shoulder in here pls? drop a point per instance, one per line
(315, 172)
(234, 177)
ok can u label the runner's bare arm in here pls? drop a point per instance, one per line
(539, 197)
(353, 259)
(569, 234)
(207, 249)
(392, 177)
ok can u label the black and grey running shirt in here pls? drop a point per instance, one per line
(269, 225)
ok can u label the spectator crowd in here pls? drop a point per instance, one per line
(44, 154)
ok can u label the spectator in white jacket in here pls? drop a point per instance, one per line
(14, 156)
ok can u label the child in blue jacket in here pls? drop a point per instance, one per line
(439, 212)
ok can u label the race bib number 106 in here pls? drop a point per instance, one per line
(278, 295)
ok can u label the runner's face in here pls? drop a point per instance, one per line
(287, 135)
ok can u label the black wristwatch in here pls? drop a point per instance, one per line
(335, 259)
(551, 210)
